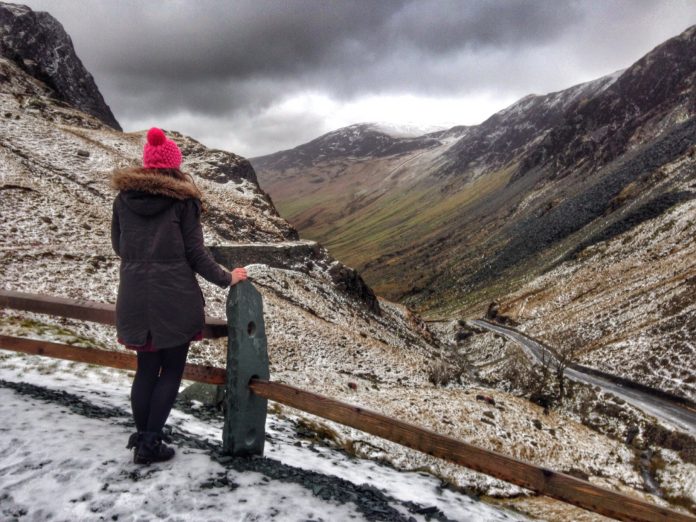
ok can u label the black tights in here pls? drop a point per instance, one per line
(153, 392)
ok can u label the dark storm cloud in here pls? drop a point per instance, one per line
(230, 61)
(235, 39)
(213, 54)
(446, 26)
(247, 39)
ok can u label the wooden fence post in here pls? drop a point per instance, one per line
(244, 430)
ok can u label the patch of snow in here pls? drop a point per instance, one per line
(82, 469)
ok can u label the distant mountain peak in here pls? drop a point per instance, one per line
(409, 129)
(359, 140)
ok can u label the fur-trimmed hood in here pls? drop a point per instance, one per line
(149, 180)
(148, 186)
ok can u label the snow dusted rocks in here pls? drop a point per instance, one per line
(215, 165)
(303, 256)
(39, 45)
(291, 255)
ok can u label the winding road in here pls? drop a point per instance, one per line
(680, 417)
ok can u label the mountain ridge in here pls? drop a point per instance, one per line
(357, 140)
(450, 229)
(506, 168)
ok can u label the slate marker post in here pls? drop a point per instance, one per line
(247, 357)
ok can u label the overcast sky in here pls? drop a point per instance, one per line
(257, 76)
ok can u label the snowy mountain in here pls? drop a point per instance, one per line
(406, 129)
(361, 140)
(361, 178)
(546, 184)
(510, 133)
(327, 332)
(646, 102)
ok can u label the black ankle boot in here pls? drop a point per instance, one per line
(151, 448)
(133, 442)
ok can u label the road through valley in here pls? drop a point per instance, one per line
(680, 417)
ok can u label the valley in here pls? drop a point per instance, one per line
(572, 213)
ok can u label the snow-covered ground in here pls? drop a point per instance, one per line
(63, 457)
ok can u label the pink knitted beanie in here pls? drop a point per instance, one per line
(159, 152)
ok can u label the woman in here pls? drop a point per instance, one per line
(156, 231)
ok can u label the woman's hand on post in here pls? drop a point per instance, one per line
(238, 274)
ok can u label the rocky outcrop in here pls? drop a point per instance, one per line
(289, 255)
(302, 256)
(215, 165)
(493, 314)
(348, 280)
(39, 45)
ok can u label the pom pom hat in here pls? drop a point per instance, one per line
(160, 152)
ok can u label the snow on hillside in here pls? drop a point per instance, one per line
(626, 302)
(319, 339)
(55, 238)
(663, 457)
(512, 426)
(405, 129)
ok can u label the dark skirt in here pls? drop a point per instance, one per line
(149, 347)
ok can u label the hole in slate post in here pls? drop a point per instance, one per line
(251, 393)
(251, 328)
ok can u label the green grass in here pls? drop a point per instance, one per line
(31, 326)
(291, 209)
(398, 228)
(399, 220)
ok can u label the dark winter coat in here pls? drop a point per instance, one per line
(156, 230)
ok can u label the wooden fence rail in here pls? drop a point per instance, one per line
(121, 360)
(92, 311)
(541, 480)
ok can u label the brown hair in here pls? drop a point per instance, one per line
(179, 174)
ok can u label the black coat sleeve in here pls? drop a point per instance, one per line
(198, 256)
(115, 229)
